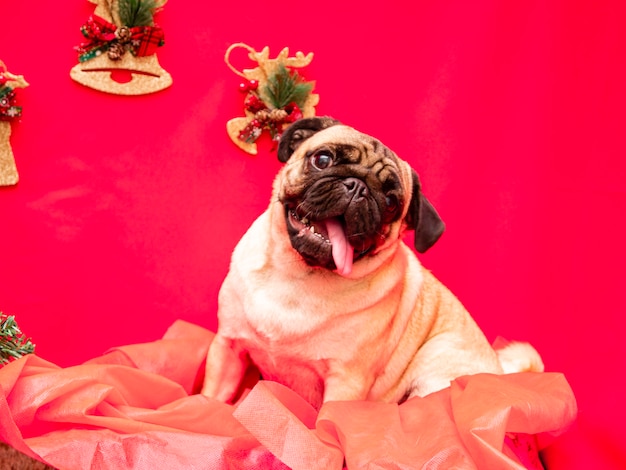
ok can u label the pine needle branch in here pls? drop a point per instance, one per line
(285, 87)
(13, 344)
(137, 12)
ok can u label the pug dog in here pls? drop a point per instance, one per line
(324, 297)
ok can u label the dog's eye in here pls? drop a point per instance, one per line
(392, 203)
(392, 207)
(321, 160)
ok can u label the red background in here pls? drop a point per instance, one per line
(511, 112)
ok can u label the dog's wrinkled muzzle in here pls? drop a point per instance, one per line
(332, 226)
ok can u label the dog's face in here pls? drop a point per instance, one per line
(346, 196)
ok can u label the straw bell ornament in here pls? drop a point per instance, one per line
(122, 35)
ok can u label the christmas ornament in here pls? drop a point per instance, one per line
(122, 35)
(9, 111)
(13, 343)
(276, 96)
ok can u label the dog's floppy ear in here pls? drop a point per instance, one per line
(298, 132)
(423, 218)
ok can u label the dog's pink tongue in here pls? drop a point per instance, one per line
(343, 253)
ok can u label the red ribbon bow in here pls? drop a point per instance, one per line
(9, 110)
(140, 40)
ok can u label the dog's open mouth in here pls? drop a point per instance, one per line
(329, 236)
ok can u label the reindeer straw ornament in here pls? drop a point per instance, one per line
(9, 111)
(122, 35)
(276, 96)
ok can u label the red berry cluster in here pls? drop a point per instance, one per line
(249, 85)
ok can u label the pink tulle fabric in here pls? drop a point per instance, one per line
(138, 407)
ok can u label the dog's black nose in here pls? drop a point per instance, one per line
(356, 187)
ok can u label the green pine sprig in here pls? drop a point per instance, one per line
(137, 12)
(285, 87)
(13, 343)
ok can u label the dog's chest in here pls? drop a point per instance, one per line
(290, 319)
